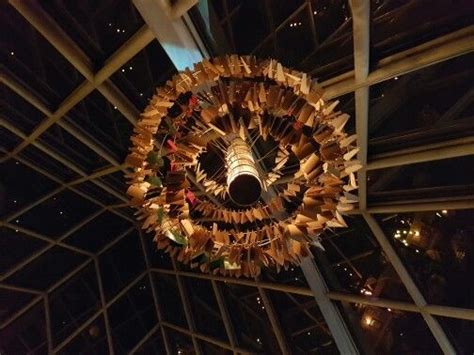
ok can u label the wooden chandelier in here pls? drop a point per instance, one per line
(240, 164)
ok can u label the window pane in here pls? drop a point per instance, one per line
(132, 316)
(73, 303)
(438, 249)
(353, 262)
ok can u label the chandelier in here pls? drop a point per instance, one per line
(241, 164)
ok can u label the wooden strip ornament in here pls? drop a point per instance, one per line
(187, 207)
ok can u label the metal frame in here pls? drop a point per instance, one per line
(358, 81)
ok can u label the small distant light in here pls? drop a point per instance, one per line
(345, 269)
(123, 31)
(346, 18)
(437, 213)
(300, 23)
(141, 94)
(258, 340)
(401, 334)
(389, 309)
(444, 211)
(263, 307)
(16, 230)
(14, 201)
(315, 12)
(404, 232)
(60, 212)
(115, 107)
(309, 333)
(382, 95)
(291, 25)
(417, 250)
(16, 163)
(123, 70)
(350, 274)
(396, 78)
(17, 221)
(118, 30)
(12, 53)
(131, 68)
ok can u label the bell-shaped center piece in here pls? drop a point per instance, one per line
(243, 181)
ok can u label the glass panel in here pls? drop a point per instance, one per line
(8, 141)
(16, 247)
(435, 179)
(461, 333)
(29, 56)
(302, 323)
(334, 54)
(121, 264)
(390, 331)
(282, 9)
(18, 111)
(47, 269)
(116, 181)
(62, 212)
(37, 158)
(72, 149)
(99, 232)
(408, 108)
(73, 303)
(291, 49)
(205, 308)
(99, 27)
(21, 185)
(97, 118)
(249, 26)
(158, 258)
(132, 316)
(12, 302)
(180, 343)
(170, 299)
(92, 340)
(154, 345)
(211, 349)
(354, 262)
(400, 25)
(105, 197)
(139, 77)
(249, 318)
(438, 249)
(293, 276)
(26, 335)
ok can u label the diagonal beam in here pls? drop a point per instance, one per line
(440, 49)
(46, 26)
(187, 309)
(274, 321)
(158, 309)
(59, 158)
(224, 311)
(410, 285)
(331, 314)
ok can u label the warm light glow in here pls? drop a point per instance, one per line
(243, 182)
(369, 321)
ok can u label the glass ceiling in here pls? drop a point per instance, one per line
(78, 277)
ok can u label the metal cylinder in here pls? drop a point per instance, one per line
(243, 182)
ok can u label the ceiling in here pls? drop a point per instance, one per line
(77, 276)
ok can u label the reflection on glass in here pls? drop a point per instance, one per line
(438, 249)
(354, 262)
(389, 331)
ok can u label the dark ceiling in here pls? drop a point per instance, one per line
(76, 276)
